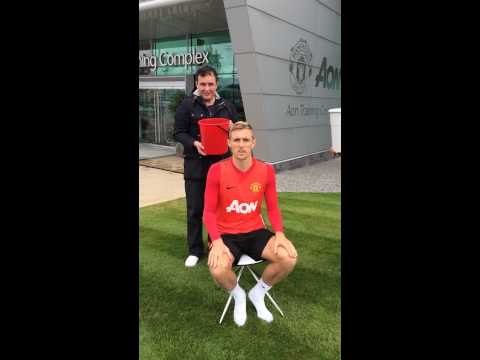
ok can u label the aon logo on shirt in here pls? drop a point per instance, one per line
(243, 208)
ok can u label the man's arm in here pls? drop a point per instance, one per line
(181, 132)
(210, 203)
(275, 216)
(215, 256)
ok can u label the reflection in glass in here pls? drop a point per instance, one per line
(157, 106)
(157, 115)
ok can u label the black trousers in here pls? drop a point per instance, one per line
(195, 191)
(195, 175)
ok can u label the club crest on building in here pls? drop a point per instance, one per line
(300, 67)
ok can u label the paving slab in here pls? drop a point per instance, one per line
(324, 176)
(156, 186)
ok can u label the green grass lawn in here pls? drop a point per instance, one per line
(180, 307)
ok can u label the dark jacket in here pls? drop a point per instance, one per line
(186, 131)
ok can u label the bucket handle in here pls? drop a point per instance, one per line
(221, 127)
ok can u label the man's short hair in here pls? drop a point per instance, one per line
(206, 70)
(239, 125)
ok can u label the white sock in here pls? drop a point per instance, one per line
(257, 296)
(240, 310)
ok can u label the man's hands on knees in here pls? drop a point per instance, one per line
(215, 256)
(281, 240)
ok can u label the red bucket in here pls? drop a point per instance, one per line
(214, 135)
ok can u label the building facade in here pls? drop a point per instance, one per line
(278, 61)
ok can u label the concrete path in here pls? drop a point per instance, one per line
(324, 176)
(159, 185)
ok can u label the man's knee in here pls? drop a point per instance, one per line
(285, 259)
(221, 270)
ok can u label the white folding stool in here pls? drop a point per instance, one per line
(246, 261)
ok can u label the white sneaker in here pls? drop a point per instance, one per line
(191, 261)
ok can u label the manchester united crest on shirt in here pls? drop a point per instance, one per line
(256, 187)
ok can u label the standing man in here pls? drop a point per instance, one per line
(205, 103)
(235, 190)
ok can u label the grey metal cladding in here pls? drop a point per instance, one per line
(240, 32)
(234, 3)
(335, 5)
(249, 76)
(275, 143)
(280, 47)
(306, 14)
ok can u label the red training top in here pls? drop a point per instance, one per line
(233, 198)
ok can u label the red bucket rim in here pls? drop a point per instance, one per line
(214, 121)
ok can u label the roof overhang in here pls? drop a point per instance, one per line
(171, 18)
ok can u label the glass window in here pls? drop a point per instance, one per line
(170, 56)
(229, 88)
(144, 58)
(219, 48)
(175, 56)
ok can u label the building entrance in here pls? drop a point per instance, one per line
(157, 103)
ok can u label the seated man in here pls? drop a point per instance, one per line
(234, 193)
